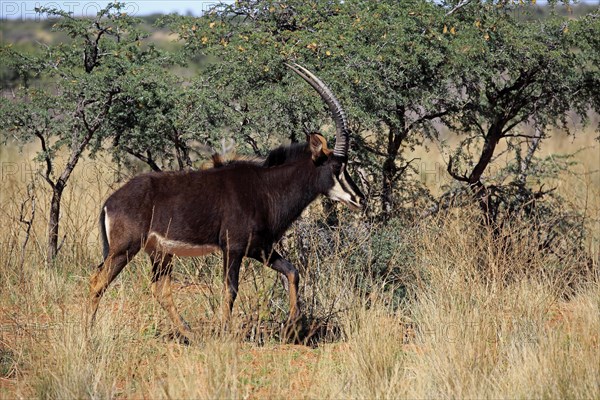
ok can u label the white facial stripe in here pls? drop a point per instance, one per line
(107, 225)
(177, 247)
(338, 193)
(344, 183)
(344, 192)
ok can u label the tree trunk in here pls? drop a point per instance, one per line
(480, 191)
(388, 171)
(53, 219)
(396, 136)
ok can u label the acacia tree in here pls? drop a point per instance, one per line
(511, 71)
(88, 94)
(68, 104)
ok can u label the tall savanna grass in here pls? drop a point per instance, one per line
(445, 308)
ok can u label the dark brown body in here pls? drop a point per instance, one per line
(238, 207)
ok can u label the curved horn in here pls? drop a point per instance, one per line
(342, 133)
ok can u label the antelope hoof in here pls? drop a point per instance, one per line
(182, 334)
(295, 330)
(185, 335)
(182, 337)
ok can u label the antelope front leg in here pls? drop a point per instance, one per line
(231, 275)
(284, 267)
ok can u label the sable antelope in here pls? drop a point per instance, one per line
(241, 208)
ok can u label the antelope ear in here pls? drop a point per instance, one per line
(318, 146)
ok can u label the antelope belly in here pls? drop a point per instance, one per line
(179, 248)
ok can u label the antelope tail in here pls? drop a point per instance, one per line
(103, 235)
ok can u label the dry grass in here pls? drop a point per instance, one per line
(481, 320)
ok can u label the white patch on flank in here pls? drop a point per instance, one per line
(107, 225)
(178, 248)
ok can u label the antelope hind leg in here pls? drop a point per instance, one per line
(99, 282)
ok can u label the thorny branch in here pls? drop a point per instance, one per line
(526, 162)
(457, 7)
(90, 130)
(47, 159)
(27, 222)
(148, 159)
